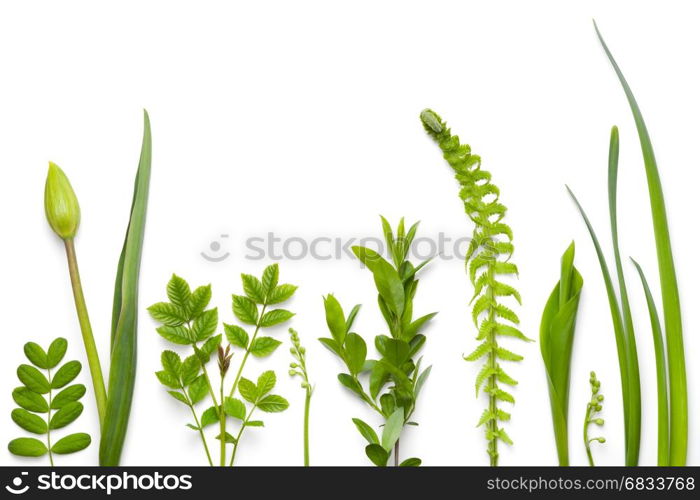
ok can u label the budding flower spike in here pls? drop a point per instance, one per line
(298, 368)
(60, 203)
(594, 407)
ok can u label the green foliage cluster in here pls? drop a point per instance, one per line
(395, 379)
(42, 409)
(186, 320)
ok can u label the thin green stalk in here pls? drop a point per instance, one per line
(396, 453)
(222, 426)
(240, 434)
(667, 275)
(661, 381)
(247, 352)
(307, 405)
(48, 421)
(93, 357)
(197, 423)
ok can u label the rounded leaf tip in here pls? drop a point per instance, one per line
(431, 121)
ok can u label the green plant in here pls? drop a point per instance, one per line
(185, 320)
(620, 313)
(673, 325)
(298, 368)
(663, 447)
(488, 259)
(60, 410)
(556, 342)
(594, 407)
(63, 214)
(395, 403)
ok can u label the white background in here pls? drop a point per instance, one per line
(302, 118)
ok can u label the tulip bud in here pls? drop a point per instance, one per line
(61, 204)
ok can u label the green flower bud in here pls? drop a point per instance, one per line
(601, 440)
(292, 373)
(293, 365)
(601, 397)
(61, 204)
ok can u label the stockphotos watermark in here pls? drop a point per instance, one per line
(102, 483)
(272, 246)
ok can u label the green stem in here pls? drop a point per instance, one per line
(196, 421)
(238, 437)
(98, 383)
(586, 441)
(48, 422)
(247, 352)
(396, 453)
(222, 425)
(492, 383)
(307, 405)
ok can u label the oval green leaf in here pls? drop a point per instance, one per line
(68, 395)
(66, 415)
(56, 351)
(30, 400)
(36, 355)
(33, 379)
(71, 443)
(29, 421)
(27, 447)
(65, 374)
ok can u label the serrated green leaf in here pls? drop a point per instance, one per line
(190, 369)
(68, 413)
(199, 300)
(36, 355)
(30, 400)
(253, 288)
(248, 390)
(176, 334)
(281, 293)
(56, 351)
(209, 416)
(71, 443)
(67, 395)
(245, 310)
(171, 363)
(236, 335)
(178, 291)
(263, 346)
(275, 317)
(270, 278)
(507, 355)
(198, 389)
(273, 404)
(29, 421)
(66, 374)
(266, 382)
(168, 314)
(480, 351)
(179, 396)
(210, 346)
(235, 408)
(33, 379)
(168, 380)
(27, 447)
(205, 324)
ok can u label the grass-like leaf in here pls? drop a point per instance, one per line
(122, 372)
(673, 326)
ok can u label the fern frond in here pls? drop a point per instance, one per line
(488, 258)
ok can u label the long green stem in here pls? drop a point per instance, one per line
(197, 423)
(48, 422)
(240, 434)
(492, 385)
(586, 441)
(222, 425)
(247, 352)
(219, 407)
(307, 405)
(93, 358)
